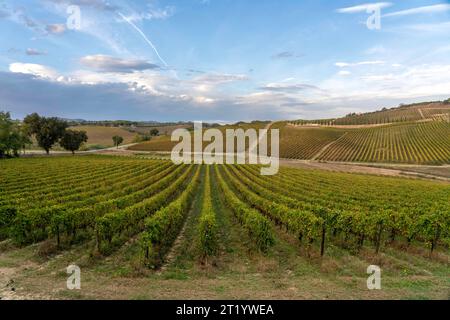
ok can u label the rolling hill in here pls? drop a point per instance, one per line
(101, 136)
(164, 143)
(413, 134)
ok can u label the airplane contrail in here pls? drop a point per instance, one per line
(143, 36)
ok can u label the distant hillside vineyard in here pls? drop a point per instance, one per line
(410, 134)
(415, 134)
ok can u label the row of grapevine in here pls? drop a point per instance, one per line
(70, 191)
(162, 228)
(428, 225)
(258, 227)
(207, 226)
(40, 223)
(300, 222)
(131, 218)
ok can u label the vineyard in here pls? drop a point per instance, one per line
(420, 143)
(425, 142)
(303, 143)
(114, 197)
(106, 201)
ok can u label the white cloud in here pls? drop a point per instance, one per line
(441, 27)
(407, 82)
(209, 81)
(34, 52)
(55, 28)
(364, 7)
(420, 10)
(104, 63)
(102, 5)
(152, 14)
(361, 63)
(342, 64)
(35, 70)
(344, 73)
(288, 87)
(378, 49)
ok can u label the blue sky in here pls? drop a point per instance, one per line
(220, 60)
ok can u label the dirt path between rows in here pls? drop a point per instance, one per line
(421, 113)
(321, 151)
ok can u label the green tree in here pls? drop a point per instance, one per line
(117, 140)
(154, 132)
(12, 137)
(46, 130)
(141, 138)
(5, 132)
(72, 140)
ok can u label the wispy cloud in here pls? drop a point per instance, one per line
(286, 55)
(420, 10)
(361, 63)
(96, 4)
(375, 50)
(146, 39)
(105, 63)
(364, 7)
(344, 73)
(439, 27)
(34, 52)
(152, 14)
(288, 87)
(55, 28)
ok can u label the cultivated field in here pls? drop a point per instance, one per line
(303, 142)
(164, 143)
(101, 136)
(412, 134)
(163, 130)
(143, 228)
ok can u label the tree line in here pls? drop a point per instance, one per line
(15, 136)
